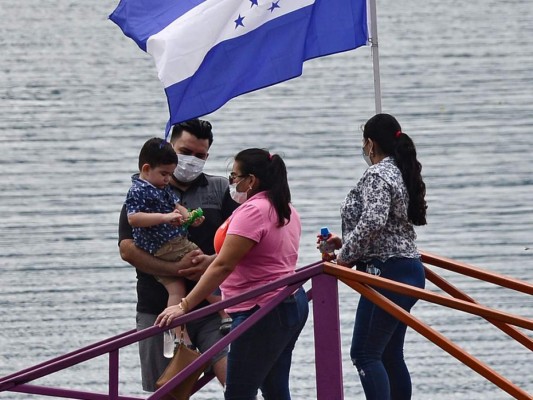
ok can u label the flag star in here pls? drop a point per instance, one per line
(254, 3)
(273, 6)
(238, 21)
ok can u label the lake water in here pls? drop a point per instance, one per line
(78, 99)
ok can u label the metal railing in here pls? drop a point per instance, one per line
(324, 293)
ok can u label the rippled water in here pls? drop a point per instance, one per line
(78, 100)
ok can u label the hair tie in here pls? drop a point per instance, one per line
(270, 156)
(398, 134)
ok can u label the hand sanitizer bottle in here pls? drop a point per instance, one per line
(168, 343)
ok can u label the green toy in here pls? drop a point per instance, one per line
(193, 216)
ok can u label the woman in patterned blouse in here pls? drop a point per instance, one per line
(378, 218)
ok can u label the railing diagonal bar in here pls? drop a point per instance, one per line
(439, 339)
(440, 282)
(478, 273)
(133, 336)
(408, 290)
(230, 337)
(67, 393)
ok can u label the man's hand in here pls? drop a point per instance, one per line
(198, 264)
(198, 221)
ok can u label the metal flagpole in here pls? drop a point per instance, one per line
(375, 53)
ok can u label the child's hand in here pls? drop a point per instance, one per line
(174, 218)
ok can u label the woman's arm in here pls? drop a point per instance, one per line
(233, 250)
(376, 198)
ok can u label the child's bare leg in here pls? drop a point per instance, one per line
(176, 291)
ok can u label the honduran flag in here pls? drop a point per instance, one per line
(209, 51)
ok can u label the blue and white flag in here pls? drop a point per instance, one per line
(209, 51)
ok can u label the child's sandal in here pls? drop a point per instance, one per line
(225, 325)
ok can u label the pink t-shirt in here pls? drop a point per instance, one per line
(274, 255)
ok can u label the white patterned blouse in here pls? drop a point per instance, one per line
(374, 217)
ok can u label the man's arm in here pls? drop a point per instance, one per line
(191, 266)
(149, 264)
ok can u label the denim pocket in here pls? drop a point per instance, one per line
(289, 312)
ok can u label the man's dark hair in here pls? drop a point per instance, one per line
(155, 152)
(197, 127)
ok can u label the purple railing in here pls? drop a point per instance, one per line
(18, 382)
(328, 355)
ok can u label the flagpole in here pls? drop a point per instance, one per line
(375, 53)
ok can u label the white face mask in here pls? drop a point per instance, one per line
(366, 157)
(189, 168)
(238, 197)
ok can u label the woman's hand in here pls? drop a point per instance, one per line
(197, 265)
(168, 314)
(343, 263)
(335, 240)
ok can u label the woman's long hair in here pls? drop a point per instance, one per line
(386, 131)
(272, 174)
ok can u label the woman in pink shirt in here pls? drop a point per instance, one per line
(257, 245)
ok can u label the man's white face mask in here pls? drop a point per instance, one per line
(189, 168)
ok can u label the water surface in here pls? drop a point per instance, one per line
(78, 100)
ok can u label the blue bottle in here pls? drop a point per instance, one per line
(327, 249)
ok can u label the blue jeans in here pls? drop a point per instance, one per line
(261, 357)
(378, 337)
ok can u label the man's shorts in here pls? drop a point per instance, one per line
(204, 333)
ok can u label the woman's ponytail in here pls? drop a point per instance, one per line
(386, 131)
(411, 169)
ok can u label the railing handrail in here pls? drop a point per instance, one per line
(478, 273)
(516, 334)
(436, 337)
(364, 283)
(124, 339)
(423, 294)
(325, 275)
